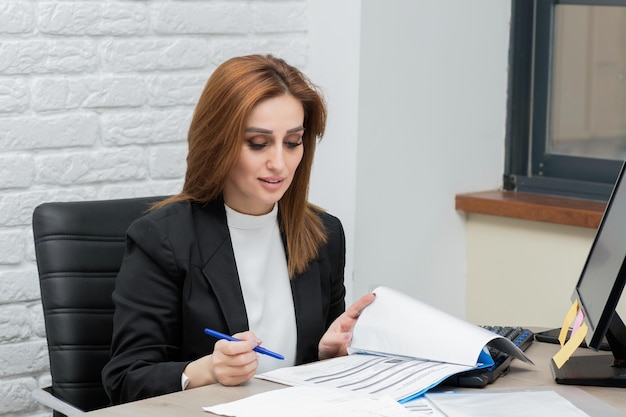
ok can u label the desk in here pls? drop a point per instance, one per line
(522, 375)
(189, 403)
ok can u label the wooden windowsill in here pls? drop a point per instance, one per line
(543, 208)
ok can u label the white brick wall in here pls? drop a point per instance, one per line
(95, 100)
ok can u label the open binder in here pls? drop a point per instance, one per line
(401, 347)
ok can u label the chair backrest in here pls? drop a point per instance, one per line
(79, 247)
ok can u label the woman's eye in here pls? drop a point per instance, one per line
(293, 144)
(293, 141)
(256, 145)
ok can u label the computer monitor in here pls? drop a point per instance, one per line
(598, 292)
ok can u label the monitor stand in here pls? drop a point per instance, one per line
(607, 370)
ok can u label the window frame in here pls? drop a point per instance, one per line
(528, 166)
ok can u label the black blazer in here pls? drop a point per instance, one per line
(179, 276)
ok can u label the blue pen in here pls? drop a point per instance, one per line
(258, 349)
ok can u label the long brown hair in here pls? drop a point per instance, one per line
(217, 128)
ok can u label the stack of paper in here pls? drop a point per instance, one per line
(559, 401)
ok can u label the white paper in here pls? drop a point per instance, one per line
(512, 404)
(310, 402)
(398, 324)
(422, 407)
(378, 376)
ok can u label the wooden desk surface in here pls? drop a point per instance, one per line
(189, 403)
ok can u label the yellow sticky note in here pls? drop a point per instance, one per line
(570, 346)
(569, 318)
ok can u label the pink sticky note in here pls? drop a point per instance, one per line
(577, 322)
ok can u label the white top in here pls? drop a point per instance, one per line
(262, 267)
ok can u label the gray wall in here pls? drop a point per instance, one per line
(432, 99)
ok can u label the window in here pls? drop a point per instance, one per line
(566, 127)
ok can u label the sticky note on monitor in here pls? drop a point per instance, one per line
(575, 318)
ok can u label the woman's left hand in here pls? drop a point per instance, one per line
(337, 338)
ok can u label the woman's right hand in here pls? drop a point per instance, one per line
(231, 363)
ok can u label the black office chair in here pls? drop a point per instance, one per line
(79, 248)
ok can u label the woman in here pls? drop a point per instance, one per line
(239, 250)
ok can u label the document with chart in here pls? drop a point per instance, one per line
(401, 347)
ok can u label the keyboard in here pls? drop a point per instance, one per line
(521, 337)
